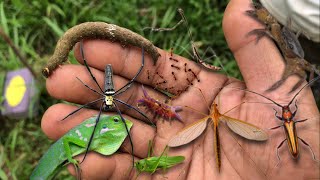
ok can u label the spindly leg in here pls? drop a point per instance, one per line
(94, 129)
(82, 106)
(276, 114)
(90, 87)
(85, 63)
(313, 155)
(122, 119)
(294, 113)
(125, 87)
(275, 127)
(278, 151)
(303, 120)
(134, 108)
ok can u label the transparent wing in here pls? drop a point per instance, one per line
(245, 129)
(189, 133)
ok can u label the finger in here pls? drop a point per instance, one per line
(65, 85)
(54, 128)
(260, 63)
(96, 166)
(173, 74)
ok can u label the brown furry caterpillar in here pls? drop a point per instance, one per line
(96, 30)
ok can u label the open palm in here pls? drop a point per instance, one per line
(261, 65)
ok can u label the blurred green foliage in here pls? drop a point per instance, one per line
(35, 26)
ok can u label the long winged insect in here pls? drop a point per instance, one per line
(153, 163)
(239, 127)
(289, 124)
(108, 96)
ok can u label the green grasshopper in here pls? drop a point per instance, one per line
(152, 164)
(109, 139)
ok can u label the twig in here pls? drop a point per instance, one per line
(16, 51)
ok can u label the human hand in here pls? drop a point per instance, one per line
(261, 65)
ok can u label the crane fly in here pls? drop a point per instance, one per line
(239, 127)
(289, 124)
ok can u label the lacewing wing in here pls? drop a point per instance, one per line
(189, 133)
(245, 129)
(239, 127)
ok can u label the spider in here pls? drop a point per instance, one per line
(108, 96)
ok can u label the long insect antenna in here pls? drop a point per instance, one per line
(134, 108)
(119, 91)
(234, 108)
(312, 81)
(86, 64)
(122, 119)
(78, 171)
(207, 104)
(82, 106)
(247, 90)
(92, 134)
(196, 111)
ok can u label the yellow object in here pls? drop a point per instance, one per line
(15, 91)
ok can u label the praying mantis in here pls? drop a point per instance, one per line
(107, 140)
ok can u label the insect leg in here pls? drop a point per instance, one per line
(294, 113)
(86, 64)
(275, 127)
(122, 119)
(78, 171)
(92, 102)
(313, 155)
(94, 129)
(276, 114)
(134, 108)
(125, 87)
(278, 151)
(303, 120)
(90, 87)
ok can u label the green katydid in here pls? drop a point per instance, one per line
(151, 164)
(109, 139)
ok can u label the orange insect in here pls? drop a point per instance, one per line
(239, 127)
(289, 124)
